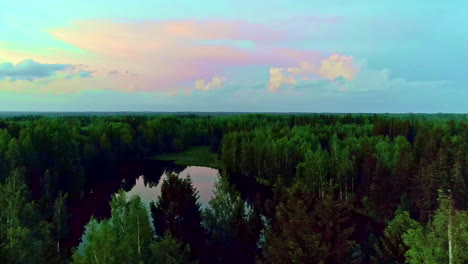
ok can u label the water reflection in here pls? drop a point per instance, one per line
(142, 177)
(203, 179)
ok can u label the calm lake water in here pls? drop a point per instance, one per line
(137, 177)
(203, 179)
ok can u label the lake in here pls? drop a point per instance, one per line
(203, 179)
(137, 177)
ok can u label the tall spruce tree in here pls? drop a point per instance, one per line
(178, 212)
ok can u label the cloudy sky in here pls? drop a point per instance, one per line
(243, 55)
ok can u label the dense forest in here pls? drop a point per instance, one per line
(293, 188)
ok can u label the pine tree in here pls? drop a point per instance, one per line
(308, 229)
(168, 250)
(178, 211)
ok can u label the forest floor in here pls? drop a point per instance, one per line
(195, 156)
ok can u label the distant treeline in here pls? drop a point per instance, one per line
(5, 114)
(295, 188)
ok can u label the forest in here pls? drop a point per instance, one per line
(292, 188)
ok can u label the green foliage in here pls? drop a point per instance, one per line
(233, 229)
(226, 211)
(177, 211)
(13, 154)
(124, 238)
(315, 170)
(195, 156)
(168, 250)
(24, 236)
(127, 237)
(444, 240)
(391, 248)
(59, 219)
(381, 160)
(308, 229)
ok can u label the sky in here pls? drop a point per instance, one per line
(222, 55)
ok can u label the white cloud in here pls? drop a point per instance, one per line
(337, 65)
(341, 73)
(216, 82)
(277, 79)
(330, 68)
(367, 79)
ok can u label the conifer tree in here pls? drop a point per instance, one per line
(178, 211)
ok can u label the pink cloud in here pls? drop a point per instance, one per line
(168, 55)
(164, 56)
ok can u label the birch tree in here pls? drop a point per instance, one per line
(444, 240)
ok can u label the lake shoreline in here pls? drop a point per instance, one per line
(195, 156)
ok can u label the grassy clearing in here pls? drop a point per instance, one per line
(196, 156)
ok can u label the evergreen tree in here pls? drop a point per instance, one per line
(308, 229)
(168, 250)
(178, 211)
(233, 230)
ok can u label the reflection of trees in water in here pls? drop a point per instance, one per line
(152, 170)
(249, 188)
(96, 197)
